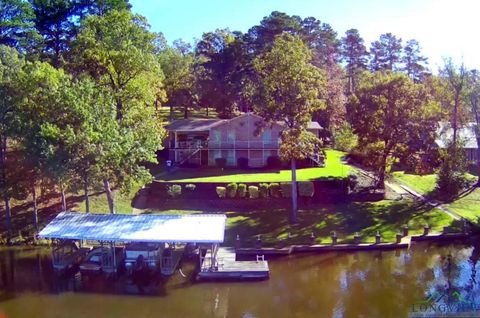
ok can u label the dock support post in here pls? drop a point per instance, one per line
(237, 242)
(378, 238)
(399, 238)
(312, 239)
(114, 257)
(405, 230)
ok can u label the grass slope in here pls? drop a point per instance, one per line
(333, 168)
(422, 184)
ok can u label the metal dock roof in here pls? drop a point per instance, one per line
(192, 228)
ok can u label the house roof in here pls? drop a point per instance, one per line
(193, 124)
(466, 134)
(204, 125)
(195, 228)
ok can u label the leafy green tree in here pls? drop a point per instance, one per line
(118, 52)
(386, 53)
(11, 65)
(389, 113)
(414, 63)
(355, 55)
(345, 139)
(289, 89)
(451, 177)
(473, 95)
(178, 67)
(16, 25)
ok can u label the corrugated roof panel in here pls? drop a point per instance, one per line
(198, 228)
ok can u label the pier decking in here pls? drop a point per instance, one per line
(225, 266)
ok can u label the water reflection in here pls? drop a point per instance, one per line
(369, 284)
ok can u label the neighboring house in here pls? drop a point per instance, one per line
(466, 135)
(201, 141)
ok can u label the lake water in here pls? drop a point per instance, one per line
(364, 284)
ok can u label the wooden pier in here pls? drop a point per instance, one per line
(221, 264)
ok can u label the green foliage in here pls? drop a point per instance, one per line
(221, 162)
(274, 190)
(253, 192)
(190, 187)
(286, 189)
(232, 190)
(221, 192)
(345, 139)
(242, 190)
(306, 189)
(263, 190)
(174, 190)
(452, 173)
(393, 118)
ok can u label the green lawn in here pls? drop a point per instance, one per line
(178, 113)
(422, 184)
(467, 205)
(387, 217)
(333, 168)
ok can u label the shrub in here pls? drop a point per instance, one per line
(263, 190)
(253, 192)
(286, 190)
(221, 162)
(190, 187)
(306, 189)
(242, 190)
(452, 174)
(221, 191)
(345, 139)
(352, 181)
(242, 162)
(174, 190)
(232, 190)
(274, 162)
(274, 190)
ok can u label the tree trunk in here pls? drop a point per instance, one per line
(108, 192)
(35, 208)
(294, 214)
(8, 215)
(6, 197)
(87, 199)
(206, 111)
(171, 112)
(185, 112)
(381, 172)
(64, 199)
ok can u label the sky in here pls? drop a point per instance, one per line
(444, 28)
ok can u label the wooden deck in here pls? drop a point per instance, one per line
(227, 267)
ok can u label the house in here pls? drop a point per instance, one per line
(201, 141)
(465, 134)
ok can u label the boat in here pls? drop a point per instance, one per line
(171, 257)
(68, 255)
(142, 257)
(103, 260)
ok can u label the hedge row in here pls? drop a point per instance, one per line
(265, 190)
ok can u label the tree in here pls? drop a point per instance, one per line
(355, 55)
(457, 79)
(179, 78)
(390, 112)
(289, 89)
(118, 52)
(221, 72)
(413, 61)
(473, 95)
(11, 65)
(386, 53)
(16, 24)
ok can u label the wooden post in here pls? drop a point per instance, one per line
(258, 243)
(378, 238)
(356, 238)
(426, 229)
(312, 239)
(399, 238)
(237, 242)
(405, 230)
(114, 257)
(334, 238)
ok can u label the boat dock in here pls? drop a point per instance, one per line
(220, 263)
